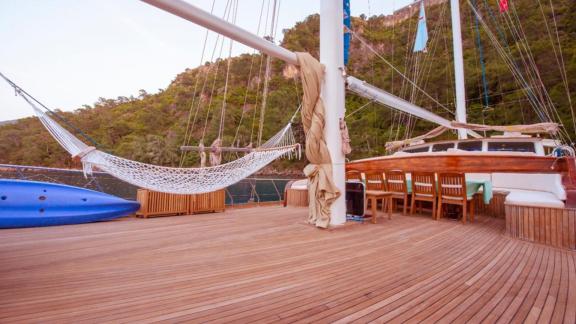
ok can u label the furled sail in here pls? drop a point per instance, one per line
(422, 32)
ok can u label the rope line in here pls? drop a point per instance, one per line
(397, 71)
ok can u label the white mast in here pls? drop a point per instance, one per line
(332, 56)
(458, 67)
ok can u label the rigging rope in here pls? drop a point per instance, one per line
(559, 58)
(249, 79)
(482, 62)
(266, 76)
(224, 100)
(188, 129)
(531, 84)
(365, 43)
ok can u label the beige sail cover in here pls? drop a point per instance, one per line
(391, 146)
(321, 188)
(551, 128)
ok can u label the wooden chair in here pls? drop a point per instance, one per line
(375, 191)
(452, 191)
(396, 184)
(354, 176)
(424, 189)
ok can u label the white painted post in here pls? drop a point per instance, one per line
(332, 56)
(458, 66)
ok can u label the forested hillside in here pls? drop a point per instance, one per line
(151, 127)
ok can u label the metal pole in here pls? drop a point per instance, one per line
(198, 16)
(332, 56)
(458, 66)
(368, 91)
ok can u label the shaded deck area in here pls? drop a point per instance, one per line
(265, 264)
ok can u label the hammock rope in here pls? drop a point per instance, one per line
(160, 178)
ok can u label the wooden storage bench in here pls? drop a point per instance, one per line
(154, 203)
(550, 226)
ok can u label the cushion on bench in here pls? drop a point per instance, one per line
(533, 198)
(551, 183)
(300, 185)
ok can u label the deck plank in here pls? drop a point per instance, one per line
(266, 265)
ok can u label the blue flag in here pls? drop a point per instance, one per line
(347, 35)
(422, 33)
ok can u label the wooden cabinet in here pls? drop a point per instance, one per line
(154, 203)
(550, 226)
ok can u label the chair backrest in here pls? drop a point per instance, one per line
(354, 176)
(452, 185)
(396, 181)
(424, 184)
(374, 181)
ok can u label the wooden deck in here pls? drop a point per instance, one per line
(265, 265)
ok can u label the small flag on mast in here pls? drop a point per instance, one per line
(348, 24)
(503, 5)
(422, 33)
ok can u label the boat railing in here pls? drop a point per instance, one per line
(257, 189)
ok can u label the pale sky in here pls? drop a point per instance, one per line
(67, 53)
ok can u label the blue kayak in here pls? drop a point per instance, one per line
(33, 203)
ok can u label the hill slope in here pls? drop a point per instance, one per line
(151, 127)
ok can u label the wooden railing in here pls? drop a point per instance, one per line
(154, 203)
(476, 163)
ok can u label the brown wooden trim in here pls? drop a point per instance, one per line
(480, 163)
(464, 163)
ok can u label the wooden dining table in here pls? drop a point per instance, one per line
(472, 187)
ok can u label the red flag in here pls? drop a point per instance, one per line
(503, 5)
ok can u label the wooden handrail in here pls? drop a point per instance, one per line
(467, 163)
(476, 163)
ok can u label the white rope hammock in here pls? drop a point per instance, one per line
(168, 179)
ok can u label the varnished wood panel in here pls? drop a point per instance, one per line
(296, 198)
(550, 226)
(468, 163)
(154, 203)
(267, 265)
(496, 206)
(208, 202)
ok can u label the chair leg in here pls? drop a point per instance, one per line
(389, 207)
(434, 216)
(439, 211)
(412, 205)
(464, 205)
(405, 205)
(373, 203)
(472, 211)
